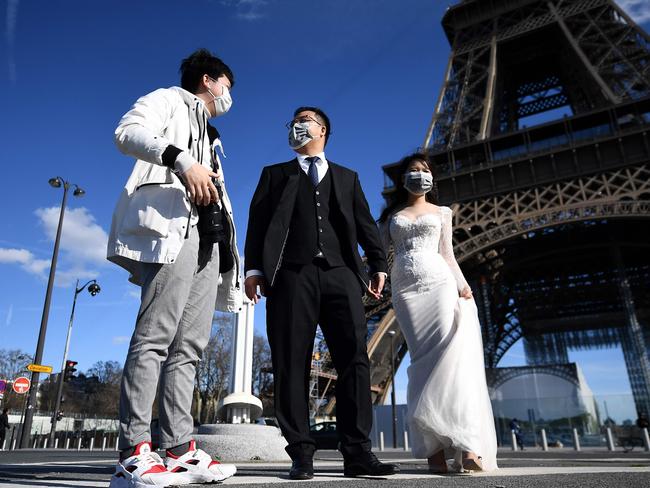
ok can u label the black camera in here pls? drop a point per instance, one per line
(213, 224)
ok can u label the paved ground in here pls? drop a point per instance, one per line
(532, 468)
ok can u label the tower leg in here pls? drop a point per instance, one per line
(633, 344)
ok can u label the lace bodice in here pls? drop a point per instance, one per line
(418, 245)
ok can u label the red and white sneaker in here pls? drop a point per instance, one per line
(197, 466)
(144, 469)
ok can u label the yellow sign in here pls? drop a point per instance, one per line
(37, 368)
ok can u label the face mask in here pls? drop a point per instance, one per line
(223, 102)
(418, 182)
(299, 135)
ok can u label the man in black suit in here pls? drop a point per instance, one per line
(306, 220)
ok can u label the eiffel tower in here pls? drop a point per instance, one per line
(541, 140)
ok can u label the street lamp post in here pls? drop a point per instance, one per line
(57, 182)
(391, 334)
(93, 289)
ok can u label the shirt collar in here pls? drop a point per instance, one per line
(321, 156)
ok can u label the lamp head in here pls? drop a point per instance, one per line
(94, 289)
(55, 182)
(78, 192)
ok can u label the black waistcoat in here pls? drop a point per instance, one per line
(316, 224)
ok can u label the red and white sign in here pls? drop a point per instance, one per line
(21, 385)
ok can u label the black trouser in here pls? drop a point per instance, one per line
(304, 296)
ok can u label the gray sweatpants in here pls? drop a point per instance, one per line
(172, 329)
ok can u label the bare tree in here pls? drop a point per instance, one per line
(12, 364)
(213, 371)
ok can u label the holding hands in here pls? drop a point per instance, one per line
(377, 285)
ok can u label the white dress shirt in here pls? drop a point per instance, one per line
(321, 165)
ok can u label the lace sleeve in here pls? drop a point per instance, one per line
(447, 248)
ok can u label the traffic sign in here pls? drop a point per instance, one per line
(3, 385)
(21, 385)
(38, 368)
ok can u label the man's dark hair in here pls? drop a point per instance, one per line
(320, 116)
(202, 62)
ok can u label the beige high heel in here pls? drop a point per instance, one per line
(472, 464)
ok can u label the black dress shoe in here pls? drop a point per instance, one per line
(302, 469)
(367, 464)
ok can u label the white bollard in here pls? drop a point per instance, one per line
(79, 444)
(13, 445)
(610, 440)
(646, 439)
(117, 442)
(104, 443)
(514, 440)
(45, 443)
(544, 441)
(35, 441)
(3, 444)
(56, 443)
(67, 443)
(406, 441)
(576, 440)
(381, 441)
(92, 444)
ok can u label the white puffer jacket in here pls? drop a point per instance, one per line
(153, 213)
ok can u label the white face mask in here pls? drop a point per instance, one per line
(418, 182)
(223, 102)
(299, 135)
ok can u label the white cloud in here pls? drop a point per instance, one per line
(81, 236)
(121, 339)
(10, 32)
(82, 248)
(25, 259)
(639, 10)
(247, 9)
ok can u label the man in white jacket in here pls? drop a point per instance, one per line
(173, 231)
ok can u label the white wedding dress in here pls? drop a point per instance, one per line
(448, 401)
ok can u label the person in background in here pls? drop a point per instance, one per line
(4, 425)
(516, 429)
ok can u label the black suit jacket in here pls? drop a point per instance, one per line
(272, 208)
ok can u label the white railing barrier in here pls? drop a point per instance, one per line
(576, 440)
(514, 440)
(544, 441)
(610, 439)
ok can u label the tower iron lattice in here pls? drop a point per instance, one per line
(541, 141)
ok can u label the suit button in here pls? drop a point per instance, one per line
(317, 193)
(320, 218)
(320, 230)
(318, 204)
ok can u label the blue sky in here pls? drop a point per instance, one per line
(70, 69)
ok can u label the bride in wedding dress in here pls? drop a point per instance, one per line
(448, 402)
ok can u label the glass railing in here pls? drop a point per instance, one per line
(552, 417)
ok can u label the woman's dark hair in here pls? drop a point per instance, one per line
(320, 116)
(202, 62)
(399, 197)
